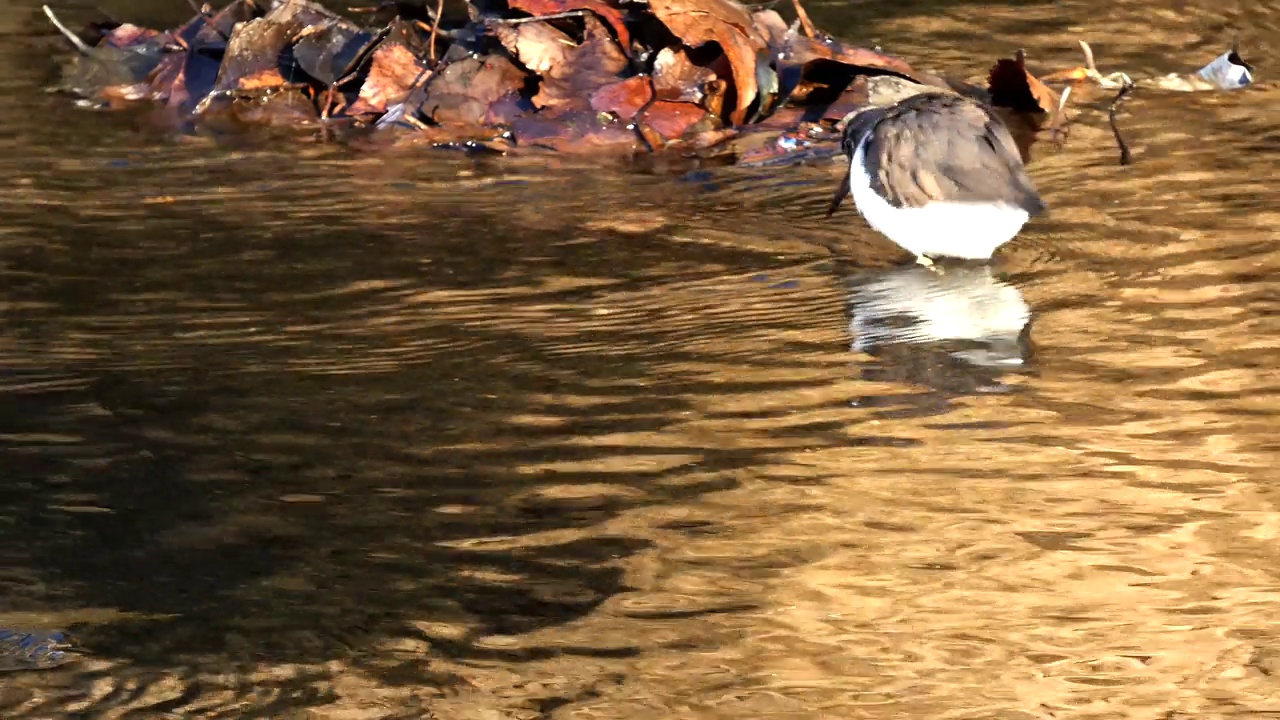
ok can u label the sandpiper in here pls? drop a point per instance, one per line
(939, 175)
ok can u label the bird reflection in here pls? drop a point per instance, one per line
(958, 331)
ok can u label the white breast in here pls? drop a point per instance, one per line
(971, 231)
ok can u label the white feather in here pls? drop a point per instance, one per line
(971, 231)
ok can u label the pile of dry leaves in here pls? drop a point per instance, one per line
(698, 76)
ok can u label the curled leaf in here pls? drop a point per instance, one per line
(569, 72)
(697, 22)
(396, 66)
(611, 15)
(677, 78)
(327, 52)
(393, 73)
(1012, 86)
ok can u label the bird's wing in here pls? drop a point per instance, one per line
(947, 149)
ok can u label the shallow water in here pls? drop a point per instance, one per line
(314, 433)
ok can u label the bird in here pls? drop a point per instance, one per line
(939, 174)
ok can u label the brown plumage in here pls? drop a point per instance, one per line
(938, 147)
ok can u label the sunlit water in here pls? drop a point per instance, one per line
(304, 432)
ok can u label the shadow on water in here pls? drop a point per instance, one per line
(233, 511)
(291, 431)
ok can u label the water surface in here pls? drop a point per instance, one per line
(305, 432)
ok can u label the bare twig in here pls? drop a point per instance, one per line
(1088, 57)
(1059, 118)
(206, 13)
(805, 22)
(329, 107)
(536, 18)
(1125, 157)
(81, 45)
(435, 29)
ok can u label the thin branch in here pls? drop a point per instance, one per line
(809, 29)
(1088, 57)
(81, 45)
(206, 14)
(435, 29)
(536, 18)
(1059, 118)
(1125, 157)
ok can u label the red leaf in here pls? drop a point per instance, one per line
(672, 120)
(624, 98)
(537, 8)
(697, 22)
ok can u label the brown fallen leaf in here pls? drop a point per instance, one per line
(328, 52)
(624, 98)
(1075, 74)
(672, 120)
(116, 71)
(569, 72)
(677, 78)
(127, 36)
(506, 109)
(286, 108)
(708, 139)
(579, 132)
(538, 8)
(462, 91)
(217, 29)
(186, 34)
(183, 79)
(448, 136)
(166, 76)
(540, 47)
(802, 50)
(816, 70)
(697, 22)
(393, 73)
(1012, 86)
(395, 68)
(770, 26)
(255, 47)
